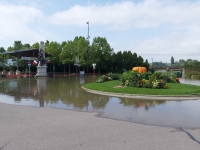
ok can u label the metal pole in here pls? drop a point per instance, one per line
(3, 62)
(76, 71)
(88, 47)
(29, 66)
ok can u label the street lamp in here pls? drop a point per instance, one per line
(88, 46)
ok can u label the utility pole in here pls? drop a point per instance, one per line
(88, 47)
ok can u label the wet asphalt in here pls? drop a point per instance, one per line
(33, 128)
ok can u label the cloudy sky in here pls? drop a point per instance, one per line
(154, 29)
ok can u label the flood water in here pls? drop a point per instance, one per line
(66, 93)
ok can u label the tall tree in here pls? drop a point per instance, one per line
(54, 49)
(67, 53)
(128, 63)
(26, 46)
(17, 45)
(36, 45)
(118, 62)
(82, 51)
(2, 55)
(172, 60)
(2, 49)
(101, 52)
(10, 48)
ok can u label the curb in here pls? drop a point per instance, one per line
(145, 97)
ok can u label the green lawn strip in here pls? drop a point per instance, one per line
(174, 89)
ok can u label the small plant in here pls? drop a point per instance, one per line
(113, 76)
(108, 77)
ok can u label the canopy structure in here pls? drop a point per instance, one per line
(25, 53)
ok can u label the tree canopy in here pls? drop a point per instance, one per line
(99, 52)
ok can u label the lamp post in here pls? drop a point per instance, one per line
(88, 47)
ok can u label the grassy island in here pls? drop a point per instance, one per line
(173, 89)
(147, 83)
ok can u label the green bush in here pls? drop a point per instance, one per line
(108, 77)
(113, 76)
(144, 80)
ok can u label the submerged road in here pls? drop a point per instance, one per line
(32, 128)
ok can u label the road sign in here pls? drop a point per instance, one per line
(29, 63)
(28, 58)
(77, 60)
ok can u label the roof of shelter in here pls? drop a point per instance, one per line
(25, 53)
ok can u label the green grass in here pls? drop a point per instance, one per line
(174, 89)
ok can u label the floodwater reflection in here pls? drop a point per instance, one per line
(66, 93)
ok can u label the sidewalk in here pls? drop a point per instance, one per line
(32, 128)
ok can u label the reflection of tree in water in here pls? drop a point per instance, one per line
(18, 88)
(140, 103)
(99, 102)
(60, 91)
(56, 90)
(72, 96)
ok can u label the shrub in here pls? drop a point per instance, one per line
(108, 77)
(113, 76)
(144, 80)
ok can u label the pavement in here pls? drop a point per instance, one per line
(39, 128)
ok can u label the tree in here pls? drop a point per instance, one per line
(17, 45)
(67, 53)
(172, 60)
(118, 63)
(36, 45)
(2, 55)
(26, 46)
(127, 60)
(2, 49)
(54, 49)
(101, 52)
(10, 48)
(82, 51)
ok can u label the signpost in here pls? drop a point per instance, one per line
(29, 66)
(28, 58)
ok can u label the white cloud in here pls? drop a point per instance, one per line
(127, 14)
(16, 22)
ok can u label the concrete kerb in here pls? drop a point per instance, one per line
(145, 97)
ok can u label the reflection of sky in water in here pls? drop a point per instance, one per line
(10, 100)
(67, 94)
(171, 113)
